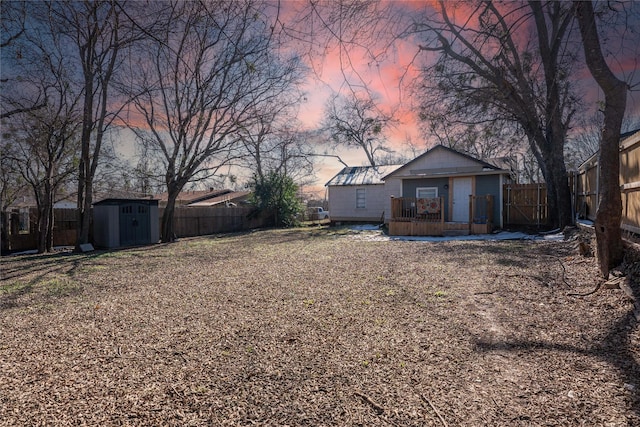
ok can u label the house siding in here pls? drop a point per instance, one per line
(440, 161)
(342, 203)
(490, 184)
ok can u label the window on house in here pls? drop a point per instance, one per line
(361, 201)
(426, 192)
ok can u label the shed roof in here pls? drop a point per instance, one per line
(361, 175)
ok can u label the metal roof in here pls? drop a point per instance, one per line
(361, 175)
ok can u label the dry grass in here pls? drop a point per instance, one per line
(316, 327)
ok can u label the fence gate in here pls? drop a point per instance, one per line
(525, 204)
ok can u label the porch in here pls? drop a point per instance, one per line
(411, 216)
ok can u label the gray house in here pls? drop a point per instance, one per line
(125, 222)
(464, 194)
(442, 191)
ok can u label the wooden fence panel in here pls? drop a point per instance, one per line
(587, 185)
(14, 240)
(586, 190)
(190, 221)
(525, 204)
(630, 184)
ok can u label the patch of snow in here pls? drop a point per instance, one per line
(364, 227)
(378, 235)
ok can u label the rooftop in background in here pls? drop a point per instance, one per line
(233, 197)
(189, 197)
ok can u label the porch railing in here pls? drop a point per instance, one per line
(432, 209)
(417, 209)
(481, 209)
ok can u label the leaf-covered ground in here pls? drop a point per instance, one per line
(316, 327)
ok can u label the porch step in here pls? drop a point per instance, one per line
(450, 233)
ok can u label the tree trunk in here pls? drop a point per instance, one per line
(85, 187)
(562, 194)
(43, 219)
(50, 226)
(168, 233)
(555, 175)
(609, 213)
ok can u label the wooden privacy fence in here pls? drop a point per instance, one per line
(20, 230)
(192, 221)
(525, 204)
(586, 187)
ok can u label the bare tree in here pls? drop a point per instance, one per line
(199, 83)
(609, 213)
(485, 74)
(356, 121)
(99, 31)
(45, 152)
(484, 141)
(44, 139)
(273, 146)
(13, 29)
(11, 182)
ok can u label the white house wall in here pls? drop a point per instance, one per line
(342, 203)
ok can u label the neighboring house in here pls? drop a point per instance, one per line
(230, 199)
(209, 197)
(65, 204)
(358, 194)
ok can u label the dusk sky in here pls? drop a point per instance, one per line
(401, 62)
(388, 77)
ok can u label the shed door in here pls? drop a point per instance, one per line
(462, 188)
(134, 224)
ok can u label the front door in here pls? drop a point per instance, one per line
(462, 189)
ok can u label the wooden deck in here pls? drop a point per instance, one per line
(409, 218)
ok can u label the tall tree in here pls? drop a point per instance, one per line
(507, 62)
(199, 82)
(44, 139)
(609, 213)
(275, 142)
(46, 156)
(99, 31)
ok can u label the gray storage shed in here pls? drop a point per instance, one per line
(125, 222)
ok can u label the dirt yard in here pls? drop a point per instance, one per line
(316, 327)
